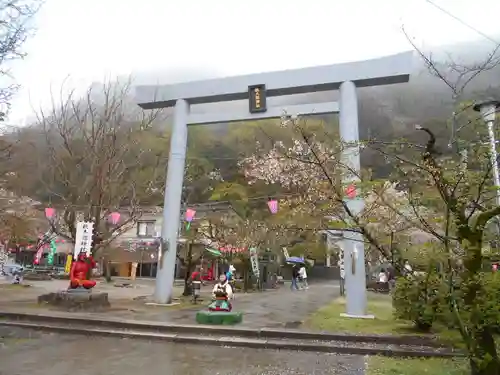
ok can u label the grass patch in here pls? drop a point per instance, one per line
(328, 318)
(431, 366)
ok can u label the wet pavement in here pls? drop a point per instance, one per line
(279, 308)
(27, 352)
(271, 309)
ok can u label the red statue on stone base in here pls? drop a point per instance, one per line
(80, 269)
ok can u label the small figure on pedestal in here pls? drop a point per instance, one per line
(222, 294)
(81, 269)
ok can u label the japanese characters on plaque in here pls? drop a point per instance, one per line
(83, 240)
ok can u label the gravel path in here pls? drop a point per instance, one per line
(26, 352)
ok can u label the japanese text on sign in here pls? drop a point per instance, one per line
(254, 260)
(83, 240)
(257, 96)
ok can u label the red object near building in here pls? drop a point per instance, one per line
(209, 274)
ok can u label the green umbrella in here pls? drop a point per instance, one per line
(213, 251)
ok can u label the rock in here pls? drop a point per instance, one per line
(76, 300)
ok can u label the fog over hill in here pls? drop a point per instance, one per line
(425, 97)
(385, 111)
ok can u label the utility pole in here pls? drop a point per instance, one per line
(488, 111)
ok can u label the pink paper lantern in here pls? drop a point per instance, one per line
(350, 191)
(114, 217)
(190, 215)
(49, 212)
(273, 205)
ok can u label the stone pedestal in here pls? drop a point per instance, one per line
(76, 300)
(219, 317)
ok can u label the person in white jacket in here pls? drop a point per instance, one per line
(303, 277)
(222, 288)
(222, 294)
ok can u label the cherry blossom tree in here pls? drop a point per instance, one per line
(311, 168)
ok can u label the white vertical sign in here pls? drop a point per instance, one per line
(254, 260)
(285, 253)
(341, 263)
(3, 259)
(83, 238)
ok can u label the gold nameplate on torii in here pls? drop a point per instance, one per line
(257, 98)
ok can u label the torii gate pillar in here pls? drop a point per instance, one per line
(346, 77)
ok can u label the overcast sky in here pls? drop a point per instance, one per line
(89, 40)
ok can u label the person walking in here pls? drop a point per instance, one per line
(303, 277)
(295, 276)
(382, 276)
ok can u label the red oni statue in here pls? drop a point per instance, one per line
(80, 269)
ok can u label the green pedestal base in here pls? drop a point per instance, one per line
(219, 317)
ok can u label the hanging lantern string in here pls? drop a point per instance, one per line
(196, 204)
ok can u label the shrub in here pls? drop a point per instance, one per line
(487, 303)
(489, 300)
(418, 298)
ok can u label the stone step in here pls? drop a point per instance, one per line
(208, 330)
(340, 347)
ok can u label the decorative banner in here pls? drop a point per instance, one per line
(39, 253)
(69, 260)
(254, 260)
(52, 253)
(341, 264)
(114, 217)
(49, 212)
(273, 205)
(83, 238)
(3, 258)
(42, 244)
(285, 253)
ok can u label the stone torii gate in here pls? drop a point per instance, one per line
(257, 88)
